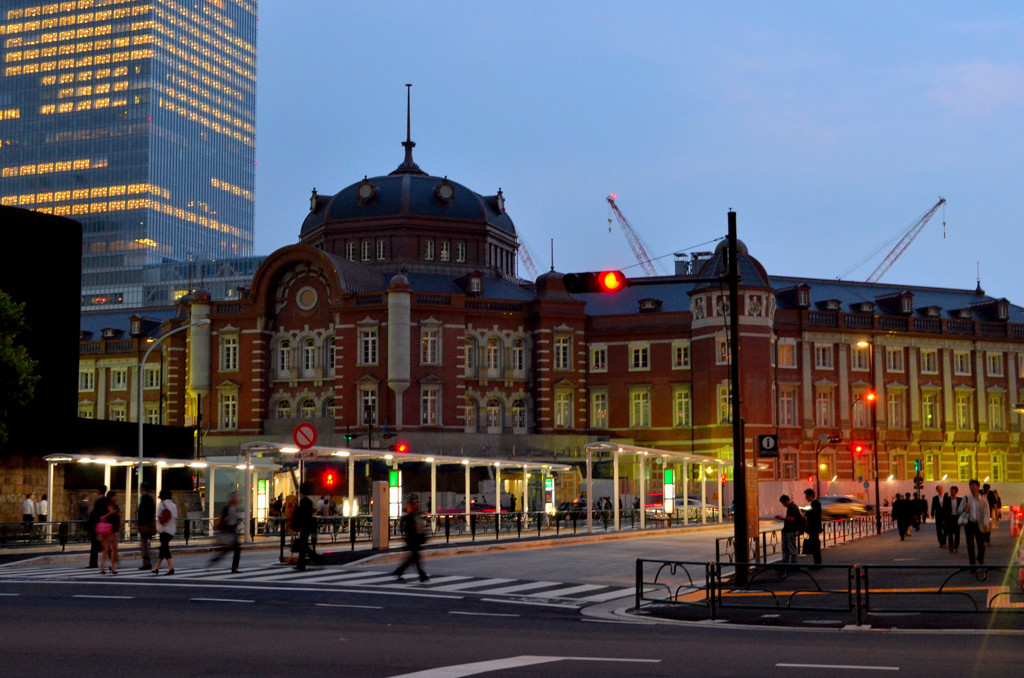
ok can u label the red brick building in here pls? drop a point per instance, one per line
(400, 309)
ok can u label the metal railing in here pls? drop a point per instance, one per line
(769, 542)
(861, 589)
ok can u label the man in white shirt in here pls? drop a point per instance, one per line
(28, 511)
(977, 524)
(43, 509)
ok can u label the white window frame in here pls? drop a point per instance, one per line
(963, 405)
(382, 250)
(896, 408)
(518, 355)
(860, 358)
(118, 412)
(330, 356)
(86, 381)
(87, 410)
(350, 250)
(894, 359)
(307, 409)
(430, 345)
(996, 412)
(428, 250)
(446, 251)
(599, 409)
(640, 408)
(309, 357)
(931, 413)
(722, 352)
(284, 356)
(562, 352)
(680, 355)
(962, 363)
(283, 409)
(430, 405)
(929, 361)
(229, 353)
(368, 353)
(682, 407)
(639, 357)
(118, 378)
(994, 363)
(151, 377)
(229, 410)
(788, 412)
(519, 416)
(366, 401)
(824, 408)
(598, 358)
(494, 415)
(493, 348)
(365, 246)
(460, 252)
(824, 357)
(563, 409)
(724, 405)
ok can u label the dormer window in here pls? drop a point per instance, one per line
(964, 313)
(906, 303)
(476, 284)
(650, 305)
(864, 307)
(832, 305)
(1003, 310)
(931, 311)
(136, 327)
(803, 298)
(109, 333)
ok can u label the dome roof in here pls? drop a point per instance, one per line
(752, 273)
(411, 194)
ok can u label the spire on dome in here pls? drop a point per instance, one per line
(408, 166)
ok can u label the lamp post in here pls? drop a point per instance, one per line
(141, 384)
(872, 397)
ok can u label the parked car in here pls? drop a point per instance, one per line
(841, 506)
(570, 510)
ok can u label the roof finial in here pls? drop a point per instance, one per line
(408, 166)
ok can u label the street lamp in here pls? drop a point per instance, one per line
(155, 342)
(817, 458)
(872, 397)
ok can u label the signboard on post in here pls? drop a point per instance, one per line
(768, 446)
(304, 435)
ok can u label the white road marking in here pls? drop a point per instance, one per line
(483, 614)
(611, 595)
(10, 594)
(564, 605)
(523, 587)
(472, 584)
(561, 593)
(83, 595)
(221, 600)
(361, 607)
(476, 668)
(850, 667)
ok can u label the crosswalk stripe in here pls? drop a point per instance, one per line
(436, 580)
(611, 595)
(472, 584)
(562, 593)
(524, 587)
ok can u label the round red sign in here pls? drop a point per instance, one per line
(304, 436)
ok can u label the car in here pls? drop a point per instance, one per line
(571, 510)
(841, 506)
(693, 506)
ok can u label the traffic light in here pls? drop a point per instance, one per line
(329, 479)
(917, 465)
(401, 448)
(857, 448)
(349, 436)
(604, 281)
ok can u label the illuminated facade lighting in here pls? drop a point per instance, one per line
(137, 119)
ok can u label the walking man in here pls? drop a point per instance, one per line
(812, 543)
(977, 523)
(227, 534)
(304, 523)
(792, 526)
(147, 525)
(28, 512)
(937, 515)
(415, 537)
(952, 507)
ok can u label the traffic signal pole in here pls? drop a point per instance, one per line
(739, 466)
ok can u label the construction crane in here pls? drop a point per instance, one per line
(526, 258)
(908, 237)
(639, 251)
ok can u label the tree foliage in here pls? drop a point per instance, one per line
(17, 368)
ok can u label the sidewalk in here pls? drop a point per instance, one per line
(904, 584)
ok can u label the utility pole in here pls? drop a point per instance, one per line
(739, 465)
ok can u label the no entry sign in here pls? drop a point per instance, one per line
(304, 436)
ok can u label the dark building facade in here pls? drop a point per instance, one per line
(137, 119)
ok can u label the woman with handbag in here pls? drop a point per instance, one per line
(167, 527)
(107, 529)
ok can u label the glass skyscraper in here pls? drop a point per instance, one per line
(136, 118)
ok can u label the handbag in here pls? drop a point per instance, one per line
(104, 527)
(963, 518)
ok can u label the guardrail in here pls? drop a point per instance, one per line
(850, 589)
(769, 542)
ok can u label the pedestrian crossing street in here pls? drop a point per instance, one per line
(281, 576)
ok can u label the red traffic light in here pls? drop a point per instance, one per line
(329, 479)
(401, 448)
(590, 281)
(856, 448)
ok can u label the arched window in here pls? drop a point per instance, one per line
(518, 355)
(472, 349)
(328, 409)
(494, 415)
(284, 356)
(472, 415)
(519, 415)
(307, 408)
(283, 410)
(308, 358)
(492, 356)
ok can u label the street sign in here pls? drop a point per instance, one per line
(306, 454)
(866, 484)
(768, 446)
(304, 435)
